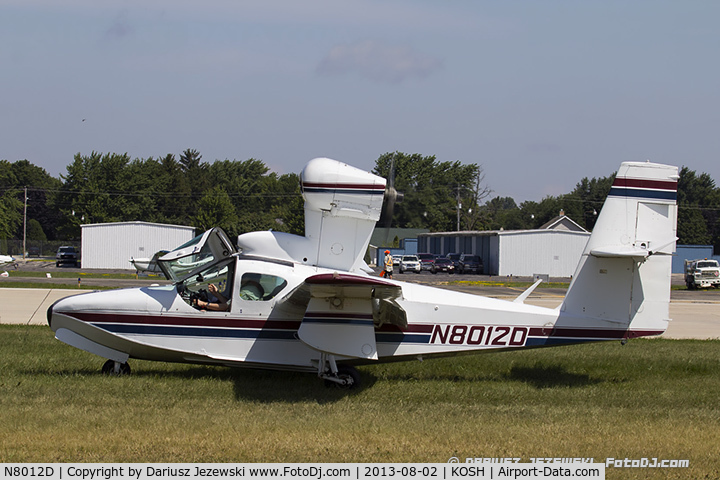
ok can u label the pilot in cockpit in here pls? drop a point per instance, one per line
(216, 301)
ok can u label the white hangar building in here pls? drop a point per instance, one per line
(553, 250)
(111, 245)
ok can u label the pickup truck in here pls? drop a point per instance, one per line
(702, 273)
(66, 254)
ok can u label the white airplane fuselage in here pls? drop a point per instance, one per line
(156, 323)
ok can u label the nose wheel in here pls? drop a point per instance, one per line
(111, 367)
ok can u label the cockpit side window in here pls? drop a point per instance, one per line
(260, 287)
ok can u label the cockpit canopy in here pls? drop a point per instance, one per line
(197, 254)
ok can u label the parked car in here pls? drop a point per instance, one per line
(454, 258)
(410, 263)
(442, 265)
(67, 255)
(426, 261)
(470, 264)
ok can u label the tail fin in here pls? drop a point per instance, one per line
(623, 278)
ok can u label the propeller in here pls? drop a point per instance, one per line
(390, 197)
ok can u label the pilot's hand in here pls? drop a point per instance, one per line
(212, 288)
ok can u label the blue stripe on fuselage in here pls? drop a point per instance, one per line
(642, 193)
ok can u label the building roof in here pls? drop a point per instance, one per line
(490, 233)
(562, 222)
(137, 222)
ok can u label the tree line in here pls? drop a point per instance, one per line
(698, 202)
(242, 196)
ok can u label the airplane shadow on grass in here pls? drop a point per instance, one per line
(539, 376)
(550, 376)
(271, 386)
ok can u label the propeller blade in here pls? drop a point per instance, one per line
(391, 196)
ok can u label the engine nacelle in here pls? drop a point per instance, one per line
(341, 190)
(342, 205)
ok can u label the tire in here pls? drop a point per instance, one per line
(347, 373)
(109, 369)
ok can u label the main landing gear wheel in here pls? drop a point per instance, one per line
(112, 367)
(347, 378)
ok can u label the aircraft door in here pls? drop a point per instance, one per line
(196, 255)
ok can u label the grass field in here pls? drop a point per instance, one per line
(649, 398)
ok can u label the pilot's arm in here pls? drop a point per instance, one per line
(222, 303)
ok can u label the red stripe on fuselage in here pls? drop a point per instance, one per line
(589, 333)
(205, 321)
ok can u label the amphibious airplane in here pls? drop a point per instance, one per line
(283, 301)
(147, 264)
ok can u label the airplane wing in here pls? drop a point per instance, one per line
(341, 312)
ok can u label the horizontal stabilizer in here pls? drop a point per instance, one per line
(619, 251)
(523, 296)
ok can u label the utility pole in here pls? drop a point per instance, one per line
(25, 224)
(459, 206)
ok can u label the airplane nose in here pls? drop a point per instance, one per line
(50, 313)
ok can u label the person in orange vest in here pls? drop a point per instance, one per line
(388, 264)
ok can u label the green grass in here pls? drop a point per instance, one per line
(649, 398)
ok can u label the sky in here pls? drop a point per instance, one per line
(539, 93)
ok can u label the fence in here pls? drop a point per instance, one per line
(34, 248)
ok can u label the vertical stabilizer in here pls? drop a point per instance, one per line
(623, 279)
